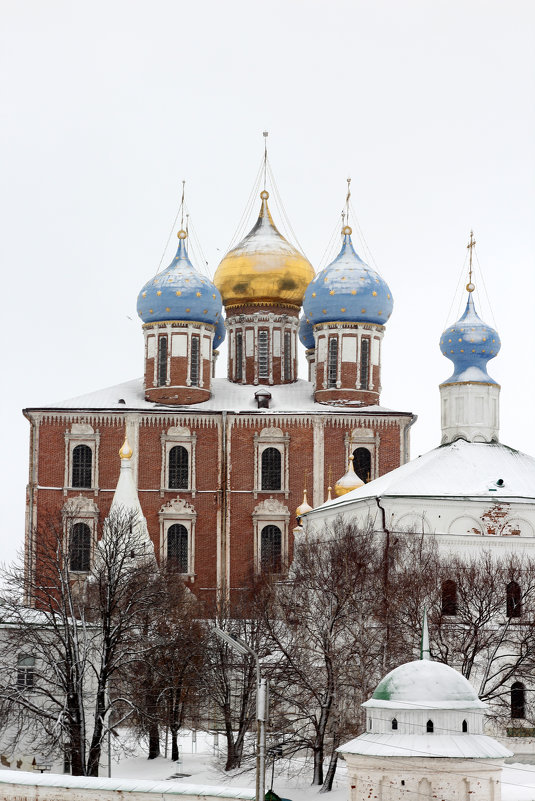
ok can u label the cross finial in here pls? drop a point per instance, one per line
(265, 134)
(348, 197)
(470, 246)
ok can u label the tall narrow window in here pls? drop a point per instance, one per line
(465, 727)
(513, 600)
(394, 724)
(162, 361)
(518, 700)
(271, 549)
(362, 463)
(430, 727)
(332, 363)
(271, 469)
(178, 468)
(238, 367)
(194, 372)
(364, 363)
(82, 463)
(287, 356)
(80, 547)
(25, 672)
(449, 597)
(263, 355)
(177, 546)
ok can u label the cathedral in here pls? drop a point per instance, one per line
(222, 466)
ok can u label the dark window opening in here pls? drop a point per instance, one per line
(394, 724)
(162, 361)
(430, 727)
(518, 700)
(177, 546)
(287, 356)
(194, 372)
(80, 547)
(263, 355)
(238, 366)
(271, 549)
(513, 600)
(364, 363)
(465, 727)
(362, 463)
(82, 462)
(449, 598)
(332, 363)
(271, 469)
(25, 673)
(178, 467)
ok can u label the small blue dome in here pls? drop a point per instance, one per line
(220, 332)
(469, 344)
(306, 333)
(347, 289)
(179, 293)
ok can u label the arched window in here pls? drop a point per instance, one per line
(332, 363)
(25, 672)
(465, 727)
(271, 549)
(271, 469)
(430, 728)
(80, 547)
(518, 700)
(449, 597)
(362, 463)
(178, 468)
(82, 463)
(162, 361)
(177, 546)
(364, 363)
(194, 373)
(513, 600)
(394, 724)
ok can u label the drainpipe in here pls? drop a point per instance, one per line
(406, 431)
(386, 580)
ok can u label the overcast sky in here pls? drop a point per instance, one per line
(107, 106)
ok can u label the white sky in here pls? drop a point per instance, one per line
(107, 106)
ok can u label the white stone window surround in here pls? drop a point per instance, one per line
(81, 434)
(364, 438)
(271, 438)
(80, 510)
(270, 512)
(178, 510)
(182, 436)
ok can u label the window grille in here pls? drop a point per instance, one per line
(82, 463)
(194, 373)
(449, 598)
(238, 366)
(518, 700)
(362, 463)
(162, 361)
(332, 363)
(177, 546)
(513, 600)
(287, 356)
(364, 363)
(271, 549)
(263, 355)
(271, 469)
(25, 673)
(80, 547)
(178, 468)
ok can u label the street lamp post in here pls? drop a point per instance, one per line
(261, 708)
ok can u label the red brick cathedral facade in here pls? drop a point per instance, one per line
(220, 464)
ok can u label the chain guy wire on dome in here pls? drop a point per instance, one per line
(459, 297)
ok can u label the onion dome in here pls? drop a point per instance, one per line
(306, 333)
(428, 684)
(304, 507)
(469, 344)
(220, 332)
(179, 293)
(348, 290)
(349, 480)
(264, 268)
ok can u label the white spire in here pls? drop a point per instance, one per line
(424, 645)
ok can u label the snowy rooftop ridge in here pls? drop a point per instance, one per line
(440, 746)
(226, 396)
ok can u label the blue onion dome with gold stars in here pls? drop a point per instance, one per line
(470, 344)
(306, 333)
(348, 290)
(179, 293)
(220, 332)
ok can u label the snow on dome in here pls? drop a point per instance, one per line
(348, 290)
(425, 684)
(470, 344)
(179, 293)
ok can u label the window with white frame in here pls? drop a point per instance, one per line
(80, 516)
(363, 444)
(25, 673)
(177, 535)
(178, 459)
(271, 461)
(270, 525)
(80, 547)
(81, 457)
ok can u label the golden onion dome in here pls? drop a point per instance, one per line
(349, 480)
(304, 507)
(125, 451)
(264, 269)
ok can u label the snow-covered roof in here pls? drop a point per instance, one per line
(124, 785)
(226, 396)
(451, 746)
(459, 469)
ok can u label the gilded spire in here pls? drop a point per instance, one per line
(125, 451)
(304, 507)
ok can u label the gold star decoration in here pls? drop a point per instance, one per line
(198, 294)
(353, 291)
(167, 309)
(331, 292)
(313, 294)
(363, 311)
(374, 293)
(178, 292)
(342, 310)
(188, 310)
(159, 292)
(144, 295)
